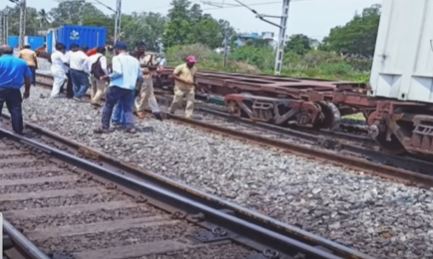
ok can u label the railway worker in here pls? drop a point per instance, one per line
(123, 79)
(146, 95)
(78, 69)
(14, 73)
(97, 65)
(58, 69)
(29, 56)
(69, 85)
(184, 86)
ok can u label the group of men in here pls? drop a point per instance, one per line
(124, 78)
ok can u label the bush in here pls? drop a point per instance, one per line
(207, 59)
(325, 65)
(261, 57)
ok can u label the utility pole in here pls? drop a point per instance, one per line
(226, 47)
(2, 28)
(282, 33)
(117, 20)
(282, 37)
(23, 7)
(6, 26)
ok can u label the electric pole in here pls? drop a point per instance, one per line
(282, 37)
(23, 8)
(2, 28)
(117, 20)
(282, 33)
(226, 47)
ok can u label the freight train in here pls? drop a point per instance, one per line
(397, 103)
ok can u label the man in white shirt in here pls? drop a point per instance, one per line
(97, 65)
(79, 75)
(58, 69)
(126, 72)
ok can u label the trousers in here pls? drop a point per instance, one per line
(58, 82)
(179, 95)
(80, 82)
(97, 90)
(146, 97)
(125, 98)
(13, 100)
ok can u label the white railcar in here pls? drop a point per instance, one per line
(403, 61)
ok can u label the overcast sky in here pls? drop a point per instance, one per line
(311, 17)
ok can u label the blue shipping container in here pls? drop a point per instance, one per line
(35, 41)
(13, 41)
(84, 36)
(51, 40)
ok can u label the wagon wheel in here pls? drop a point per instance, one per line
(330, 116)
(393, 147)
(234, 109)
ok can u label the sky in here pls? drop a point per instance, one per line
(314, 18)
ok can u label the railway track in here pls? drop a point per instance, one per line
(64, 200)
(350, 150)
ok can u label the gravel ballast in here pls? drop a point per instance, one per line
(381, 218)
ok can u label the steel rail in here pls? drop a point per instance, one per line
(401, 168)
(361, 146)
(24, 245)
(260, 228)
(372, 168)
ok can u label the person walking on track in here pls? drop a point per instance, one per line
(146, 96)
(29, 56)
(126, 72)
(184, 86)
(78, 68)
(58, 69)
(97, 65)
(14, 73)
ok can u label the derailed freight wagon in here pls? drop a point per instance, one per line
(402, 77)
(399, 107)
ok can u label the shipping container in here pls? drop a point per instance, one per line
(403, 60)
(85, 36)
(13, 41)
(51, 40)
(35, 41)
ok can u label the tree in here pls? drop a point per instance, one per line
(187, 24)
(299, 44)
(146, 27)
(44, 19)
(75, 12)
(357, 37)
(32, 24)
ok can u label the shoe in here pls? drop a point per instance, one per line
(131, 130)
(102, 131)
(141, 115)
(158, 116)
(116, 125)
(76, 99)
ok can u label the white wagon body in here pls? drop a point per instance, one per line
(403, 61)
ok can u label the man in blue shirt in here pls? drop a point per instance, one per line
(126, 72)
(14, 73)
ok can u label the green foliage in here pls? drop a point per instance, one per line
(32, 23)
(324, 65)
(187, 25)
(146, 27)
(75, 12)
(207, 59)
(299, 44)
(261, 57)
(358, 37)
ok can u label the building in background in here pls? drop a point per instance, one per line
(252, 37)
